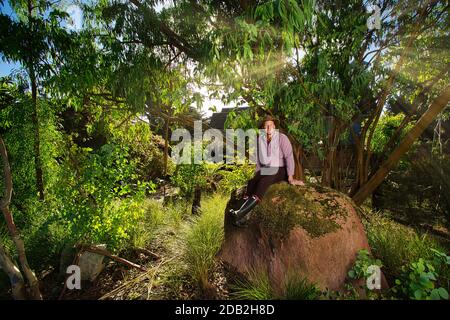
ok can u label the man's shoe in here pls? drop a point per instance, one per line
(248, 205)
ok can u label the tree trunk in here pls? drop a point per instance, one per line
(37, 151)
(32, 281)
(34, 115)
(15, 277)
(196, 203)
(166, 145)
(329, 166)
(298, 156)
(439, 104)
(360, 175)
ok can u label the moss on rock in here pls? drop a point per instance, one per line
(313, 207)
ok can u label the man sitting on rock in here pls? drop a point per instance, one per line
(274, 163)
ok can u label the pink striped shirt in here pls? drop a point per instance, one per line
(277, 153)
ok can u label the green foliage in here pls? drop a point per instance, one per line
(189, 176)
(415, 191)
(19, 137)
(293, 64)
(362, 263)
(412, 261)
(301, 60)
(100, 196)
(418, 279)
(385, 129)
(234, 176)
(19, 140)
(144, 148)
(206, 176)
(38, 221)
(397, 245)
(43, 232)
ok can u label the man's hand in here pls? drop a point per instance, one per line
(295, 182)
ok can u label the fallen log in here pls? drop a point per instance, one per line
(106, 253)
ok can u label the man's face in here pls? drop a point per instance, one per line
(269, 126)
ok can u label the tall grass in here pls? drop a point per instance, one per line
(297, 287)
(203, 238)
(158, 218)
(189, 242)
(257, 286)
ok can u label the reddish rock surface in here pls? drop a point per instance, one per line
(309, 231)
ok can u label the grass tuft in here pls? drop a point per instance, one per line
(203, 238)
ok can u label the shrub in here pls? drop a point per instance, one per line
(100, 198)
(360, 269)
(145, 149)
(419, 279)
(234, 176)
(417, 194)
(397, 245)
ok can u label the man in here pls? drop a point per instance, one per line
(275, 163)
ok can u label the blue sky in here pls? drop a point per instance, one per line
(7, 67)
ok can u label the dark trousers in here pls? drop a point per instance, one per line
(259, 184)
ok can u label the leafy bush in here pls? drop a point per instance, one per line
(44, 234)
(418, 280)
(100, 196)
(234, 176)
(385, 129)
(397, 245)
(412, 261)
(19, 136)
(360, 269)
(145, 149)
(189, 176)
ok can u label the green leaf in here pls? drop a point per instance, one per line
(418, 294)
(435, 295)
(443, 293)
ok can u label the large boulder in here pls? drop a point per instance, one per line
(310, 231)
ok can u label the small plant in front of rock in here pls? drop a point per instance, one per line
(360, 269)
(255, 287)
(297, 287)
